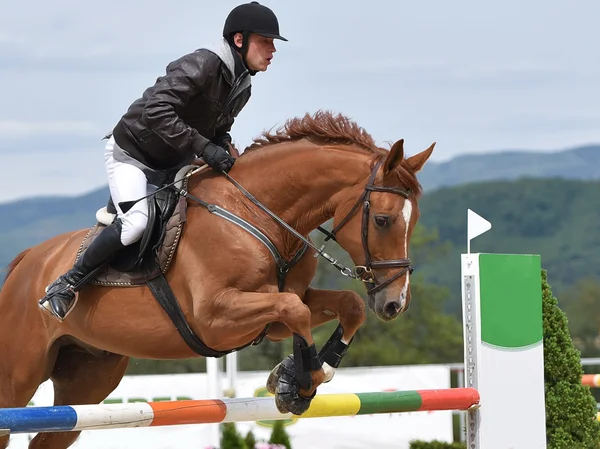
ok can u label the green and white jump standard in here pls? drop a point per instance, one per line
(504, 352)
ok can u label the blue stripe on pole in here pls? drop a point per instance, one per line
(38, 419)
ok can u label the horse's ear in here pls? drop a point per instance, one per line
(417, 161)
(394, 157)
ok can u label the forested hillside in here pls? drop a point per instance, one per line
(29, 222)
(556, 218)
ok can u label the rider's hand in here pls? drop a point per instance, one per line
(217, 158)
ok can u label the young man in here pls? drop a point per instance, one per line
(186, 114)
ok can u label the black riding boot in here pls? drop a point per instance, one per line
(60, 295)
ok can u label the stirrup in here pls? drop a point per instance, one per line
(45, 303)
(46, 307)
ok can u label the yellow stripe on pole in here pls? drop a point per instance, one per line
(333, 405)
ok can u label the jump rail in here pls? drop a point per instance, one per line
(168, 413)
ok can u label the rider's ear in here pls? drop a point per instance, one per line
(417, 161)
(394, 158)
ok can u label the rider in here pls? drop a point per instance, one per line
(186, 114)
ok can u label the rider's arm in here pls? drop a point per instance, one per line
(182, 82)
(222, 135)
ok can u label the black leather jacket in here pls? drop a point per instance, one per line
(195, 102)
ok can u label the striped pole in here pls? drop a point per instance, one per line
(168, 413)
(591, 380)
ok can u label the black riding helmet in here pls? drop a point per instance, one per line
(253, 18)
(250, 18)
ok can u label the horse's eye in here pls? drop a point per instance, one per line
(382, 221)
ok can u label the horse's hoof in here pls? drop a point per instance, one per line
(273, 378)
(287, 396)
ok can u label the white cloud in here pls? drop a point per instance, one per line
(51, 173)
(20, 129)
(11, 39)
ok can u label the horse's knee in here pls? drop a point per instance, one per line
(355, 313)
(292, 309)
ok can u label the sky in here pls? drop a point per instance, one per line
(476, 77)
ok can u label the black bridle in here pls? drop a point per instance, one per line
(364, 272)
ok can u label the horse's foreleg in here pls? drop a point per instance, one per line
(241, 313)
(349, 309)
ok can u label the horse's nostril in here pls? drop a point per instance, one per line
(392, 308)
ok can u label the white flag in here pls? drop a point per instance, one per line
(476, 225)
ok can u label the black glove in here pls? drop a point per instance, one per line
(222, 140)
(218, 159)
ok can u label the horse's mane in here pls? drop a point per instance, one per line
(11, 266)
(322, 125)
(335, 129)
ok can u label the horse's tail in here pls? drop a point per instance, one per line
(11, 266)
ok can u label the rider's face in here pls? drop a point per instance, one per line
(260, 51)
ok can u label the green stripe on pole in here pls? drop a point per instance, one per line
(389, 402)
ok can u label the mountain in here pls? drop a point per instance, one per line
(577, 163)
(28, 222)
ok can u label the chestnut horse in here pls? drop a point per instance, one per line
(225, 279)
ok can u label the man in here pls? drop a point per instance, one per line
(186, 114)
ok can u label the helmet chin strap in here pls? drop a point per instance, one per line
(244, 51)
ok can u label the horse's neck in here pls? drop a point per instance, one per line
(301, 182)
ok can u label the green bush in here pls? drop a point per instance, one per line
(230, 437)
(418, 444)
(570, 407)
(279, 435)
(250, 440)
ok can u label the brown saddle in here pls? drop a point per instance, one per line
(137, 263)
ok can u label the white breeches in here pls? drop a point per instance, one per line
(126, 183)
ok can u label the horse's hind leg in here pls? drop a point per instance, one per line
(80, 377)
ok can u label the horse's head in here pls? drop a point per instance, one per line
(375, 224)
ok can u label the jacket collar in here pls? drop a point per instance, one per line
(231, 59)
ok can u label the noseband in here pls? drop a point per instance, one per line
(364, 272)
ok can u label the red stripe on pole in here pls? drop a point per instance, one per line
(188, 412)
(591, 380)
(450, 399)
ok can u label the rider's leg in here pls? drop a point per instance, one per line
(126, 183)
